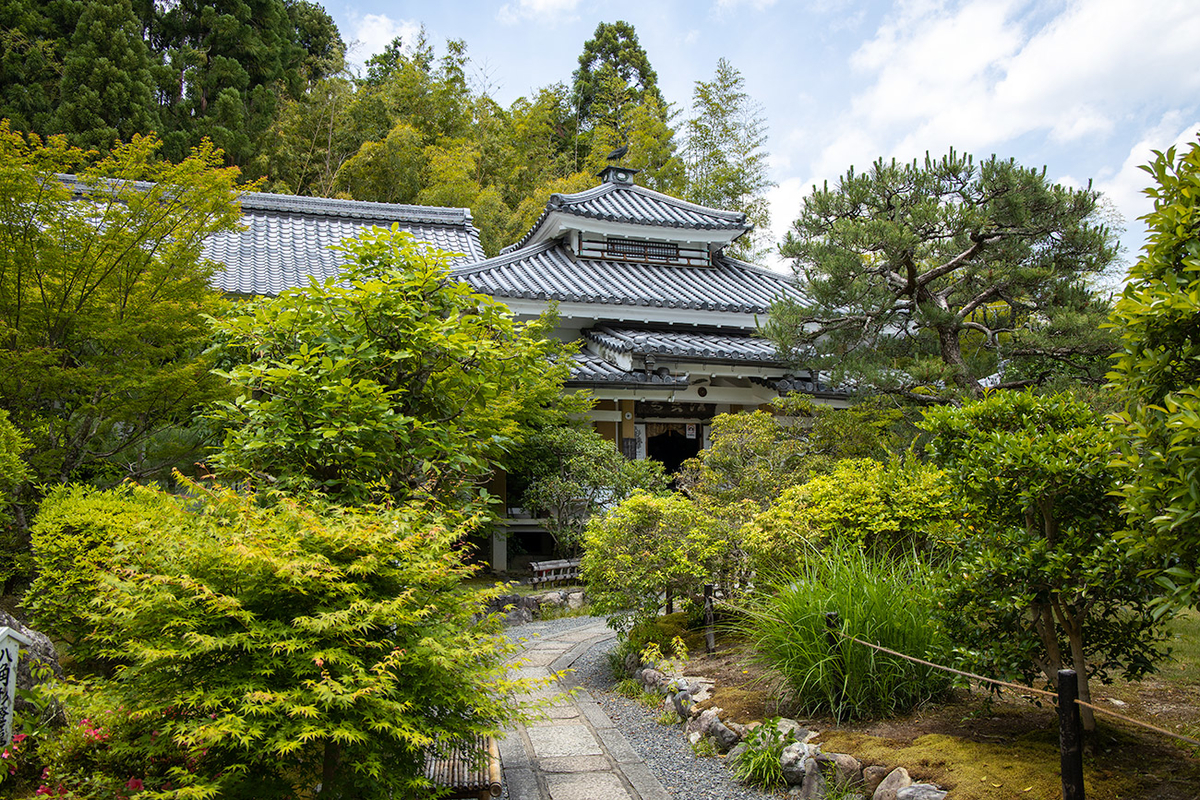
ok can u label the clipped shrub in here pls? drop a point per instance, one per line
(646, 546)
(260, 651)
(885, 602)
(860, 502)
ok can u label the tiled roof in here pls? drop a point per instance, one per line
(629, 203)
(590, 369)
(685, 344)
(287, 239)
(547, 272)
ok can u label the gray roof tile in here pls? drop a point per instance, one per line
(287, 239)
(699, 345)
(638, 205)
(590, 369)
(547, 272)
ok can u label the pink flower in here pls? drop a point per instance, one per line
(135, 784)
(5, 754)
(19, 737)
(43, 789)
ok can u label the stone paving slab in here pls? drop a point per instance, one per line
(574, 751)
(587, 786)
(564, 739)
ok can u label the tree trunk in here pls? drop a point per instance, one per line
(329, 768)
(1073, 624)
(951, 351)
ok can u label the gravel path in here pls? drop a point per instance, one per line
(664, 748)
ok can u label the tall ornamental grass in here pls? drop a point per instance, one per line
(884, 601)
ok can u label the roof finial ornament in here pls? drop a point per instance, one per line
(618, 154)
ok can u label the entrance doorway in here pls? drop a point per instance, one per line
(671, 447)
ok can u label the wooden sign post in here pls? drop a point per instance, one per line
(10, 651)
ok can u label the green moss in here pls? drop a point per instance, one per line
(1026, 767)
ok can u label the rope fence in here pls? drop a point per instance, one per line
(1018, 687)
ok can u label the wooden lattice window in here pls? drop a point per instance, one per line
(647, 251)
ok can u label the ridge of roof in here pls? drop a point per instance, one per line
(575, 205)
(322, 206)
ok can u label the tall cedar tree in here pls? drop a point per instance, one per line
(925, 278)
(107, 92)
(725, 156)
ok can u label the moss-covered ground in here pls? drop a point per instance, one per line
(985, 747)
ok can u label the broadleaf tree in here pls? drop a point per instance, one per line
(103, 295)
(400, 381)
(1158, 376)
(925, 278)
(1041, 582)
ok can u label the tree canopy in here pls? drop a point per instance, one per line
(724, 154)
(402, 382)
(925, 278)
(1158, 376)
(102, 303)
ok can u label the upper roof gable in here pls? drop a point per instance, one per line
(627, 204)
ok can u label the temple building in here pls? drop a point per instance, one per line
(666, 321)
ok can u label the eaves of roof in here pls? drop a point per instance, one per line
(547, 272)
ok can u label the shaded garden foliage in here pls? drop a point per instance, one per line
(261, 650)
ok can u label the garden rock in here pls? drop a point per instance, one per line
(575, 600)
(842, 769)
(872, 777)
(36, 657)
(737, 752)
(726, 737)
(631, 663)
(794, 760)
(683, 703)
(921, 791)
(896, 780)
(703, 723)
(785, 725)
(652, 678)
(814, 785)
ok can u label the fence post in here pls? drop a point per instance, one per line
(710, 641)
(1070, 735)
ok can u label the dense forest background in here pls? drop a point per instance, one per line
(267, 82)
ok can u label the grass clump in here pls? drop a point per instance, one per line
(884, 601)
(760, 764)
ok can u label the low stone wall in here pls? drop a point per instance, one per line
(808, 771)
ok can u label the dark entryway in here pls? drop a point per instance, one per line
(672, 448)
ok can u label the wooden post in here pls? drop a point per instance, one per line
(1070, 735)
(670, 601)
(710, 641)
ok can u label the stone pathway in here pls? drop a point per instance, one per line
(575, 753)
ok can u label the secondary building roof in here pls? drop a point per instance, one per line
(287, 238)
(684, 345)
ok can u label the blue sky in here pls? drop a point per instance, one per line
(1086, 88)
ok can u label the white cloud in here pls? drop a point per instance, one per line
(973, 75)
(723, 6)
(1124, 189)
(550, 12)
(370, 34)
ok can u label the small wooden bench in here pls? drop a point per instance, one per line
(562, 569)
(464, 773)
